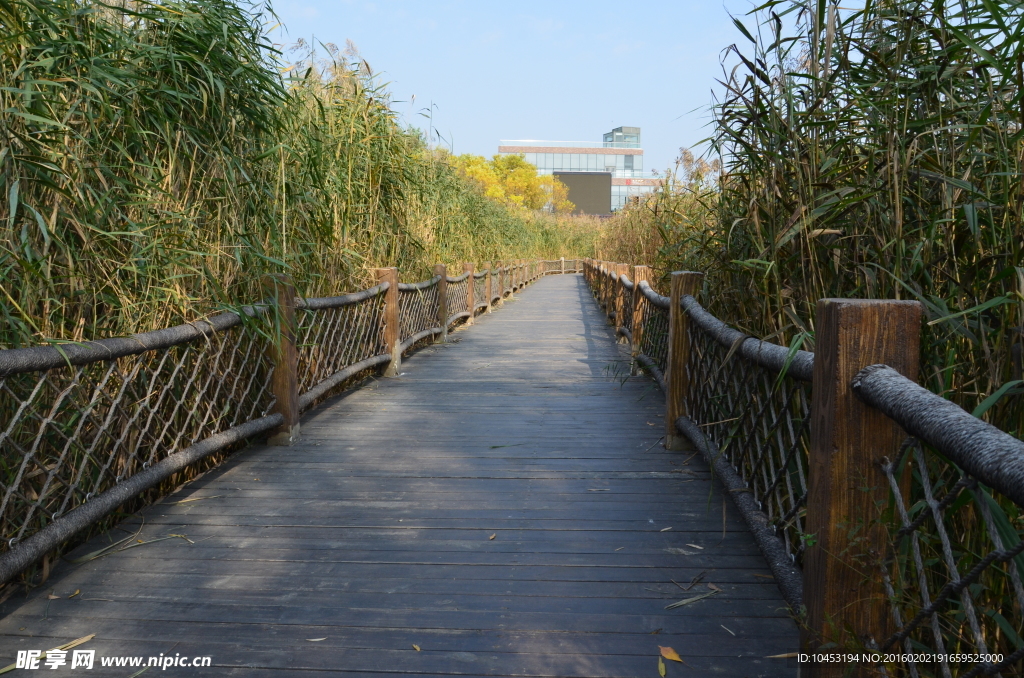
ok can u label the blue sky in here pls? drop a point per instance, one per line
(537, 70)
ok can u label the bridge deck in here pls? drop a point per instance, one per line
(504, 505)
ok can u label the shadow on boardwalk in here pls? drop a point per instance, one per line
(504, 505)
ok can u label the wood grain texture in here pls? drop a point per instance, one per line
(374, 531)
(470, 293)
(640, 273)
(442, 302)
(847, 489)
(284, 381)
(392, 328)
(676, 378)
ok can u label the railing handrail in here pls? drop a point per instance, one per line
(653, 297)
(774, 357)
(412, 287)
(40, 358)
(323, 303)
(985, 452)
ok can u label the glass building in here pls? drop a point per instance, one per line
(618, 154)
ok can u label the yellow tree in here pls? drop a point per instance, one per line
(558, 195)
(511, 180)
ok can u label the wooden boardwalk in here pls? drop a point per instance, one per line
(504, 505)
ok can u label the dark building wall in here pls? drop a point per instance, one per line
(591, 192)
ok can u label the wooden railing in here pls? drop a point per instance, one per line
(86, 427)
(905, 550)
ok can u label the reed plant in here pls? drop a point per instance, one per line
(157, 157)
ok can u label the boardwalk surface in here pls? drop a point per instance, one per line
(505, 506)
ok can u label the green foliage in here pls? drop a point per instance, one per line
(154, 162)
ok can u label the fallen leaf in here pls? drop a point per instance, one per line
(316, 640)
(713, 587)
(666, 529)
(620, 548)
(651, 423)
(661, 667)
(52, 597)
(655, 632)
(77, 591)
(727, 630)
(669, 653)
(688, 601)
(696, 547)
(599, 489)
(185, 501)
(493, 536)
(416, 647)
(788, 655)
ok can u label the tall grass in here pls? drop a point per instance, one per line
(157, 157)
(872, 153)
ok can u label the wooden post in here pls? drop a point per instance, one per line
(392, 331)
(607, 296)
(677, 380)
(442, 302)
(563, 265)
(470, 289)
(284, 382)
(488, 292)
(847, 489)
(621, 309)
(639, 273)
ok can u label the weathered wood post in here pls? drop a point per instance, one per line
(488, 281)
(639, 273)
(442, 302)
(620, 302)
(677, 379)
(608, 297)
(392, 331)
(470, 290)
(563, 265)
(284, 382)
(843, 589)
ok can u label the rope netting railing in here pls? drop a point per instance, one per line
(481, 282)
(458, 295)
(561, 266)
(87, 427)
(953, 569)
(651, 335)
(417, 311)
(497, 284)
(752, 400)
(338, 337)
(923, 534)
(72, 432)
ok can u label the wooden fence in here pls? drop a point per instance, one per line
(904, 549)
(86, 427)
